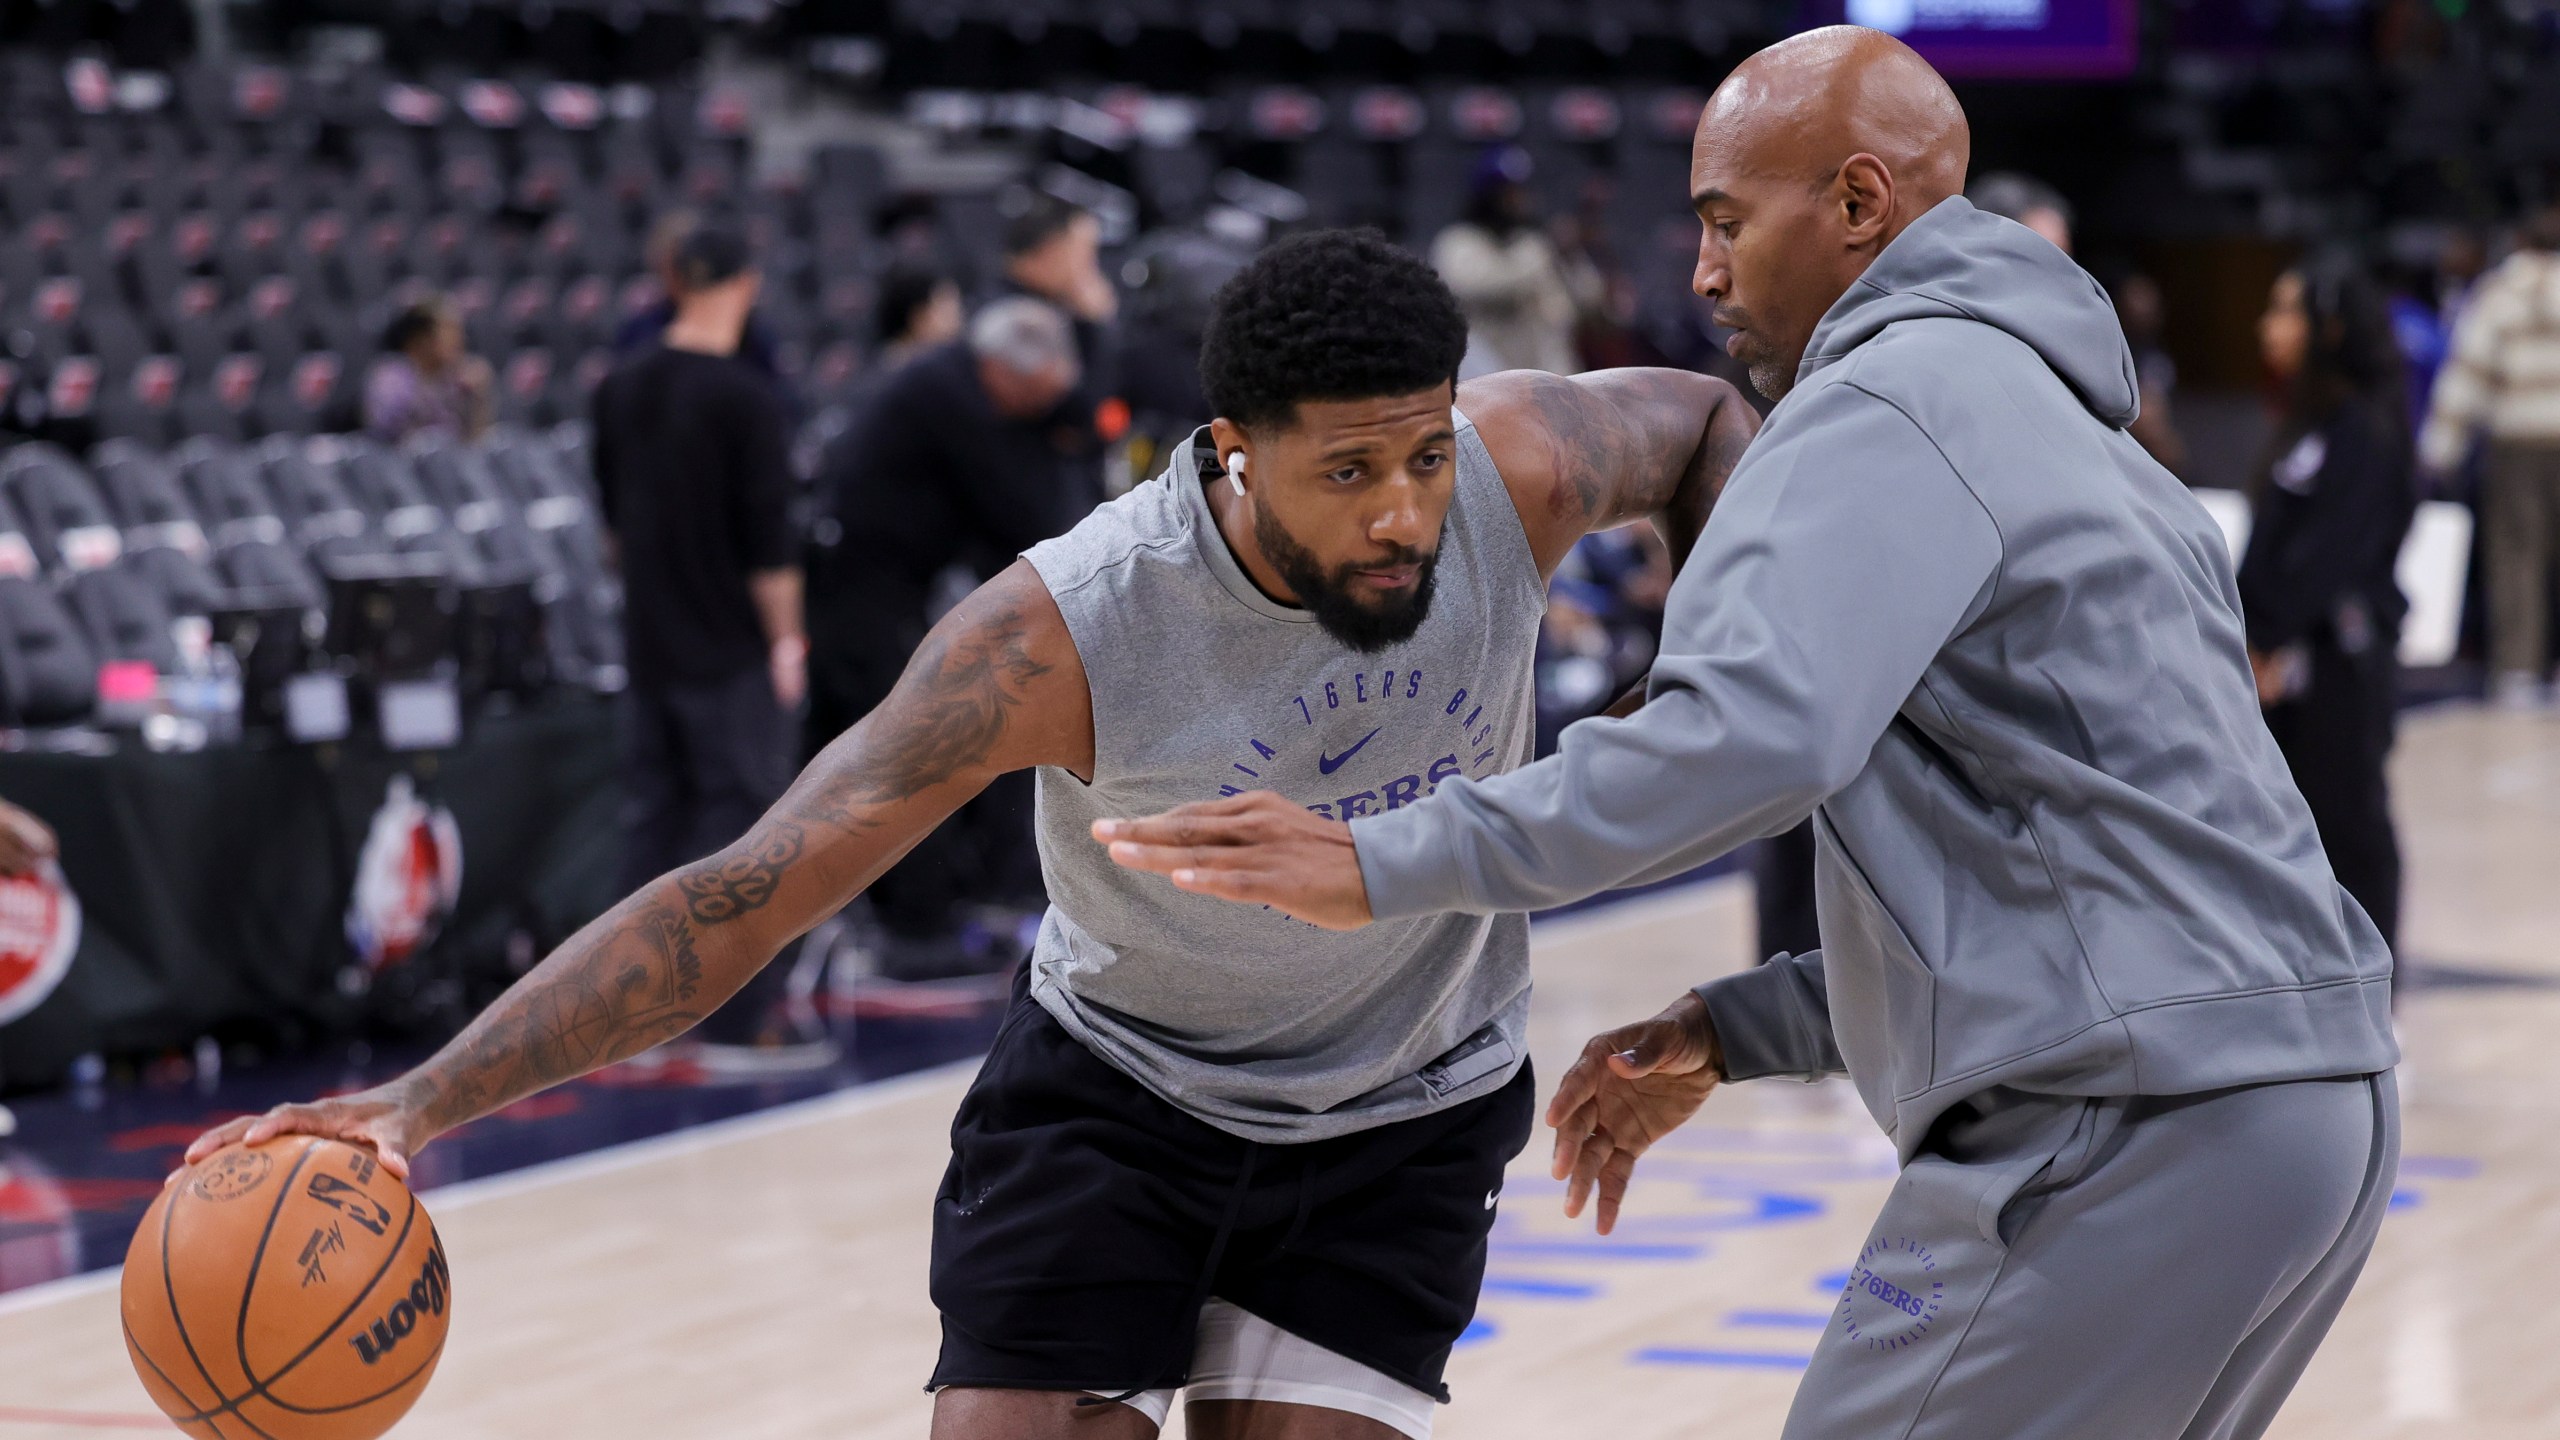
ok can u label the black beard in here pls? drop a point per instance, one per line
(1773, 380)
(1328, 596)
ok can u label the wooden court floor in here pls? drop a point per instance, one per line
(765, 1280)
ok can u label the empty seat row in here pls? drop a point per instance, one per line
(97, 561)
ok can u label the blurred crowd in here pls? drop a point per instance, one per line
(782, 566)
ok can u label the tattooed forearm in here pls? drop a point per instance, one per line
(1684, 514)
(731, 884)
(973, 702)
(630, 981)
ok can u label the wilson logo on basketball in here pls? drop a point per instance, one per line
(425, 1297)
(39, 933)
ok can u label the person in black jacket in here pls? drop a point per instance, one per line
(692, 467)
(2332, 504)
(954, 463)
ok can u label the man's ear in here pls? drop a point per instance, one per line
(1864, 192)
(1226, 437)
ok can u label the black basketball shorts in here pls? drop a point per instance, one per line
(1083, 1222)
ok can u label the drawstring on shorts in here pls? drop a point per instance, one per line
(1174, 1369)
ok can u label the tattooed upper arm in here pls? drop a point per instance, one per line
(1600, 449)
(997, 686)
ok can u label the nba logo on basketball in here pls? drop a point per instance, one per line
(406, 878)
(39, 931)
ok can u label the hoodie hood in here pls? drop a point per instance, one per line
(1957, 262)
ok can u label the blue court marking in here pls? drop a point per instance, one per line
(1711, 1137)
(1537, 1289)
(1770, 1170)
(1744, 1359)
(1808, 1172)
(1478, 1331)
(1595, 1250)
(1780, 1319)
(1833, 1283)
(2406, 1199)
(1768, 1207)
(2439, 1167)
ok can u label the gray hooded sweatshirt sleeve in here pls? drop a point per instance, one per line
(1948, 606)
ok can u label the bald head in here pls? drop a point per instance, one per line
(1810, 158)
(1804, 106)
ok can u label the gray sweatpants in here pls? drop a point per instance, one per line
(2144, 1268)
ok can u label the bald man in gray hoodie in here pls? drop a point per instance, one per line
(2082, 954)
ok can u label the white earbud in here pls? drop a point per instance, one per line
(1235, 470)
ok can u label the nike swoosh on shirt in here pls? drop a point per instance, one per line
(1327, 764)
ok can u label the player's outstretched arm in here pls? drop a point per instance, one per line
(997, 686)
(1604, 448)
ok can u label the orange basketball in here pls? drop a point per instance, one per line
(295, 1291)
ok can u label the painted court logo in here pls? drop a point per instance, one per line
(1893, 1296)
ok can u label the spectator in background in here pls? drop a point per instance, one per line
(2459, 261)
(1521, 296)
(1605, 336)
(642, 327)
(1053, 253)
(426, 383)
(2331, 506)
(2426, 304)
(2419, 331)
(1170, 278)
(2027, 200)
(918, 307)
(691, 464)
(2143, 312)
(2504, 378)
(953, 464)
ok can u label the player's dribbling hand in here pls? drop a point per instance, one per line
(1631, 1087)
(1254, 849)
(368, 1117)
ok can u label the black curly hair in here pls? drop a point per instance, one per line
(1328, 315)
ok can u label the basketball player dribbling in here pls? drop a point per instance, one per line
(1212, 1148)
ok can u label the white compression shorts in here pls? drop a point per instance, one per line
(1241, 1356)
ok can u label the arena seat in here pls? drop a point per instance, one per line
(48, 671)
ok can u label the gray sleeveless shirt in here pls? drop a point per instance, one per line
(1259, 1024)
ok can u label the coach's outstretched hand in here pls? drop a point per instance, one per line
(372, 1118)
(1631, 1087)
(1254, 849)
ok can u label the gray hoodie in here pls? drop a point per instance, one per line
(1949, 607)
